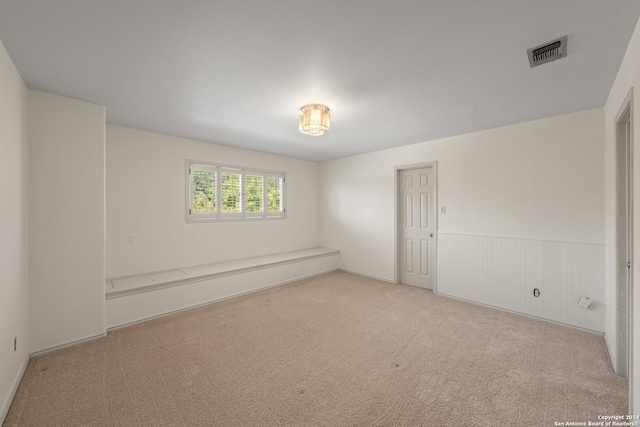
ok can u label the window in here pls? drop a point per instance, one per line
(254, 191)
(203, 197)
(275, 195)
(231, 192)
(226, 192)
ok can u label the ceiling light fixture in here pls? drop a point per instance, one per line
(314, 119)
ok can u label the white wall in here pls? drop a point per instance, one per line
(628, 77)
(540, 180)
(13, 237)
(534, 181)
(146, 199)
(66, 220)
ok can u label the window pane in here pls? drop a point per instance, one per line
(231, 192)
(274, 194)
(254, 184)
(204, 191)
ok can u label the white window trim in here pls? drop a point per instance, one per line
(219, 216)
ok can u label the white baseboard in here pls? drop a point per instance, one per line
(66, 345)
(610, 352)
(523, 314)
(368, 276)
(12, 392)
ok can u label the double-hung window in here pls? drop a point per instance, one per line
(216, 192)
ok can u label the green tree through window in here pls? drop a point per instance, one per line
(204, 197)
(231, 193)
(274, 194)
(254, 189)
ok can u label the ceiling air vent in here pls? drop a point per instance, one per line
(547, 52)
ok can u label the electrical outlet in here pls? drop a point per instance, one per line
(15, 343)
(584, 303)
(131, 239)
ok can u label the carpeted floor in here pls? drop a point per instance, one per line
(333, 350)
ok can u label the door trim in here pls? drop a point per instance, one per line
(396, 218)
(628, 140)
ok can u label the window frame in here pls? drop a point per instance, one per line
(198, 216)
(274, 214)
(218, 215)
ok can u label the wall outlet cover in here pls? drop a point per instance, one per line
(584, 302)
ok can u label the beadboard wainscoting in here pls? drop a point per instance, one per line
(504, 271)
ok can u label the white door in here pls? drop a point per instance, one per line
(417, 251)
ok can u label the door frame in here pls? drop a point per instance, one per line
(396, 218)
(624, 147)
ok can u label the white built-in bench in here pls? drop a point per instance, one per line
(136, 298)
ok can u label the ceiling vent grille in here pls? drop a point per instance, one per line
(547, 52)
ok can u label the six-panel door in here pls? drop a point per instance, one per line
(416, 227)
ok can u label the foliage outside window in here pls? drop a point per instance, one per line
(204, 191)
(274, 193)
(254, 191)
(222, 192)
(231, 191)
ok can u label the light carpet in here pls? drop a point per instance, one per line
(334, 350)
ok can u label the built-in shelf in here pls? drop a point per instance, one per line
(121, 286)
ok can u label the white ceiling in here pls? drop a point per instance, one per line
(392, 72)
